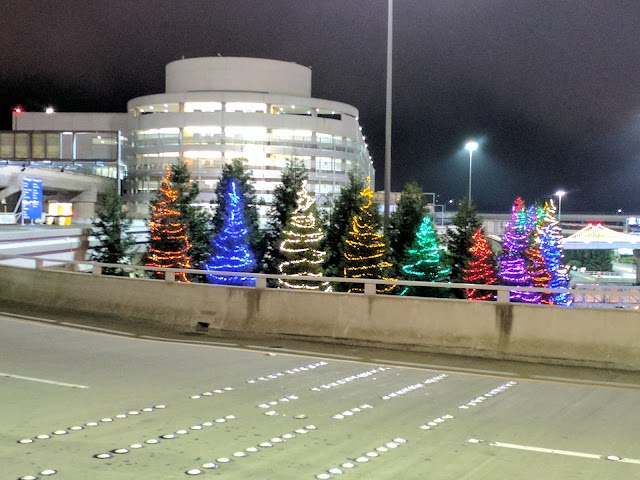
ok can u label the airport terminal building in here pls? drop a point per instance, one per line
(214, 109)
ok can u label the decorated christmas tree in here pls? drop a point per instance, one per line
(366, 248)
(481, 268)
(536, 266)
(423, 261)
(551, 247)
(168, 243)
(302, 237)
(512, 263)
(230, 249)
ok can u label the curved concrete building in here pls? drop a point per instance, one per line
(219, 108)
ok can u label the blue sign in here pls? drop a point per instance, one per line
(31, 198)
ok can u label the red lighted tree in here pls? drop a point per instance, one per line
(481, 268)
(168, 243)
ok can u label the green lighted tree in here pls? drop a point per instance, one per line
(423, 261)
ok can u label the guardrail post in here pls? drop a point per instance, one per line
(370, 289)
(503, 296)
(170, 277)
(97, 270)
(261, 283)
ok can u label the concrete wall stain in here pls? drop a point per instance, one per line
(504, 322)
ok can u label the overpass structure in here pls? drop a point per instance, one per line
(74, 166)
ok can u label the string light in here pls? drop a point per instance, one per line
(231, 252)
(513, 270)
(302, 237)
(365, 247)
(552, 252)
(481, 268)
(423, 258)
(168, 243)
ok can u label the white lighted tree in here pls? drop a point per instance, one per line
(300, 245)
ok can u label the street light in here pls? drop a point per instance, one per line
(560, 194)
(472, 147)
(387, 126)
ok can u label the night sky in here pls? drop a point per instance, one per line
(550, 88)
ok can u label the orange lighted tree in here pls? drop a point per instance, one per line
(169, 245)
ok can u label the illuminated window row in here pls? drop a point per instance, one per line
(242, 107)
(257, 163)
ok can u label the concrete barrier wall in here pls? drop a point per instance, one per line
(596, 337)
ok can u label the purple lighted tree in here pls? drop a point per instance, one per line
(512, 264)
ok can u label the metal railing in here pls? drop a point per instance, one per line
(368, 285)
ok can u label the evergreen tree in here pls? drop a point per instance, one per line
(198, 220)
(551, 247)
(423, 261)
(168, 242)
(366, 247)
(405, 221)
(230, 249)
(481, 268)
(340, 219)
(300, 247)
(110, 228)
(537, 266)
(237, 170)
(285, 197)
(512, 264)
(460, 238)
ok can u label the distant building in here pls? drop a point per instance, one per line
(216, 109)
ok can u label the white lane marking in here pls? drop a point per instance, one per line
(99, 329)
(586, 382)
(545, 450)
(446, 367)
(27, 317)
(41, 380)
(555, 451)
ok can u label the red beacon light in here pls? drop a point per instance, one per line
(18, 109)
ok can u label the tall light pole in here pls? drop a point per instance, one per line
(560, 194)
(472, 147)
(387, 143)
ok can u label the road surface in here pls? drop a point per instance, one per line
(176, 410)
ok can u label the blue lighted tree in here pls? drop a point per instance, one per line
(552, 251)
(230, 249)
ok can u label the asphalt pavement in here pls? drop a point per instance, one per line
(86, 404)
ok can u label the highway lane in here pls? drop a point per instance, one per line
(289, 417)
